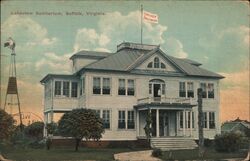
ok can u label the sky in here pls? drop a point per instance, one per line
(214, 33)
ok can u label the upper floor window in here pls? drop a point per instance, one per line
(126, 87)
(207, 90)
(131, 87)
(58, 88)
(204, 90)
(190, 89)
(210, 90)
(121, 88)
(96, 85)
(156, 62)
(73, 89)
(106, 86)
(66, 88)
(182, 89)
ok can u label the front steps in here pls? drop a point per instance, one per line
(173, 143)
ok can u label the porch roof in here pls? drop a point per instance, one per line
(162, 106)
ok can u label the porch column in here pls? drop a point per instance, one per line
(137, 123)
(151, 116)
(157, 123)
(184, 122)
(191, 123)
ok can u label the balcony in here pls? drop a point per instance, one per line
(167, 101)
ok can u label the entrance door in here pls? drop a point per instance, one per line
(166, 125)
(157, 92)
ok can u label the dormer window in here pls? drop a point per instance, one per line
(163, 66)
(150, 65)
(156, 64)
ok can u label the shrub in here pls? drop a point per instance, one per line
(157, 152)
(228, 142)
(208, 142)
(35, 130)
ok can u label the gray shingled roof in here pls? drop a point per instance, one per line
(128, 59)
(85, 53)
(119, 61)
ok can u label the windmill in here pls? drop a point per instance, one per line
(12, 83)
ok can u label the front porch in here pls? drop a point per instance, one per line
(171, 117)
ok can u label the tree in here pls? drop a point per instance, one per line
(81, 123)
(51, 130)
(147, 128)
(35, 130)
(6, 125)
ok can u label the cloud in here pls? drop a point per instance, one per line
(119, 28)
(89, 38)
(54, 63)
(229, 45)
(32, 32)
(175, 48)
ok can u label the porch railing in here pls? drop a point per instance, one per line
(168, 100)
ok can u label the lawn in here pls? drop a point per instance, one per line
(193, 155)
(62, 154)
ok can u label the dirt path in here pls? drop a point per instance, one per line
(136, 156)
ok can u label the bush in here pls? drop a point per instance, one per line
(208, 142)
(156, 153)
(35, 130)
(228, 142)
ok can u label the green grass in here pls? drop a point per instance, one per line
(62, 154)
(193, 155)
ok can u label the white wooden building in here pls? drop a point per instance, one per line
(124, 85)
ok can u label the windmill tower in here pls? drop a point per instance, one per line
(12, 97)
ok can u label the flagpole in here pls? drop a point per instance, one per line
(141, 22)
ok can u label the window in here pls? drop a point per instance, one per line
(66, 89)
(131, 120)
(150, 88)
(163, 66)
(182, 89)
(190, 89)
(121, 120)
(98, 113)
(150, 65)
(163, 86)
(74, 89)
(96, 85)
(106, 86)
(204, 119)
(204, 90)
(121, 89)
(57, 88)
(131, 87)
(106, 119)
(210, 90)
(211, 120)
(181, 119)
(156, 62)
